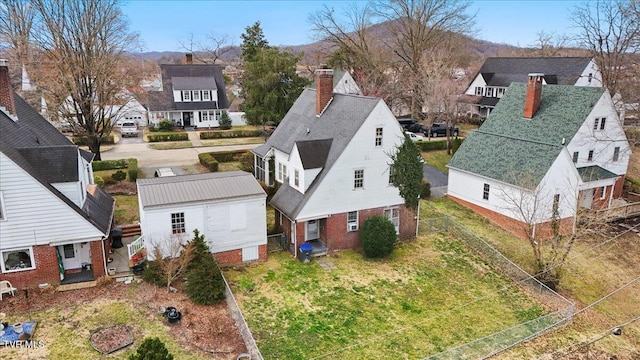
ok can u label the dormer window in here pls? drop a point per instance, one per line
(206, 96)
(489, 92)
(196, 96)
(478, 90)
(186, 96)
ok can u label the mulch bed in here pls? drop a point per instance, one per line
(110, 339)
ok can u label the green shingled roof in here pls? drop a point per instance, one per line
(594, 173)
(508, 144)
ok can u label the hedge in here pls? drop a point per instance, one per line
(438, 144)
(132, 170)
(229, 134)
(178, 136)
(82, 140)
(109, 164)
(229, 155)
(208, 161)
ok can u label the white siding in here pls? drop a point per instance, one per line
(346, 85)
(602, 142)
(596, 76)
(226, 225)
(34, 215)
(336, 193)
(478, 81)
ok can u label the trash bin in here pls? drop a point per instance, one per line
(305, 252)
(116, 238)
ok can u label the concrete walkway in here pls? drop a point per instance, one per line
(194, 137)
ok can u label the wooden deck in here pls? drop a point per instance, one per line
(619, 212)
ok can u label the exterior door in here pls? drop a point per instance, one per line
(313, 230)
(186, 119)
(73, 255)
(586, 200)
(394, 216)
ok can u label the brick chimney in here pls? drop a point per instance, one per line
(189, 58)
(324, 89)
(534, 93)
(6, 93)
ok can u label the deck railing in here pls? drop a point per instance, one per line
(135, 247)
(620, 212)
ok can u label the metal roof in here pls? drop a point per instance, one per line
(197, 188)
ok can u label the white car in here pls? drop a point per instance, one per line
(414, 137)
(129, 128)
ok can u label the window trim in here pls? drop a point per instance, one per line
(296, 178)
(603, 121)
(616, 157)
(358, 181)
(590, 157)
(31, 258)
(3, 210)
(575, 157)
(378, 139)
(352, 221)
(486, 191)
(186, 95)
(603, 193)
(390, 211)
(306, 229)
(178, 223)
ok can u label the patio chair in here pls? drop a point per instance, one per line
(6, 288)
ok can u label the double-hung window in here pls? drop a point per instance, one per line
(616, 156)
(352, 221)
(196, 95)
(575, 156)
(358, 179)
(3, 215)
(186, 95)
(485, 192)
(590, 158)
(378, 136)
(177, 223)
(206, 95)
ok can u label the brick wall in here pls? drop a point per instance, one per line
(617, 188)
(235, 256)
(518, 228)
(46, 271)
(97, 259)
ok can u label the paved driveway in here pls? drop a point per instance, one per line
(437, 179)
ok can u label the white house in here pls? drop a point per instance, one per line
(229, 208)
(193, 95)
(497, 73)
(343, 83)
(544, 152)
(330, 156)
(54, 222)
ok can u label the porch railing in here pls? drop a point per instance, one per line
(619, 212)
(135, 247)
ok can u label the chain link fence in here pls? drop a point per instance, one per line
(496, 343)
(277, 242)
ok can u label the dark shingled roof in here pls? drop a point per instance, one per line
(49, 157)
(594, 173)
(189, 77)
(339, 122)
(502, 71)
(508, 144)
(313, 153)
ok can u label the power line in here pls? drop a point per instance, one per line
(497, 292)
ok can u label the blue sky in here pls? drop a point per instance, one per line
(163, 24)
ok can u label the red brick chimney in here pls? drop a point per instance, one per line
(534, 93)
(6, 93)
(324, 89)
(189, 58)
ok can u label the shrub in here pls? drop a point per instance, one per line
(152, 273)
(119, 175)
(229, 134)
(246, 162)
(425, 191)
(378, 237)
(82, 140)
(98, 180)
(108, 180)
(205, 285)
(456, 145)
(432, 145)
(225, 121)
(151, 348)
(207, 160)
(173, 136)
(108, 164)
(165, 125)
(132, 169)
(229, 155)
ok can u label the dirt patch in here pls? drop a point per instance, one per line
(122, 188)
(112, 338)
(207, 330)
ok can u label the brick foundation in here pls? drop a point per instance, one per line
(46, 271)
(518, 228)
(235, 256)
(97, 258)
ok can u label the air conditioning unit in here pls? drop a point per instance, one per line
(353, 226)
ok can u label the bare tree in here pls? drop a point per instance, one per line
(549, 44)
(83, 43)
(172, 254)
(16, 22)
(209, 50)
(610, 29)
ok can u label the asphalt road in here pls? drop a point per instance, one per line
(437, 179)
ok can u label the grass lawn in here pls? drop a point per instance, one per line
(420, 301)
(126, 209)
(171, 145)
(233, 141)
(437, 159)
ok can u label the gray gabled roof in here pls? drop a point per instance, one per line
(595, 173)
(184, 189)
(190, 76)
(339, 122)
(508, 144)
(49, 157)
(313, 153)
(502, 71)
(194, 83)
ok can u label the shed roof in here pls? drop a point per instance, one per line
(184, 189)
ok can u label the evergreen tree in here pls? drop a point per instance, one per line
(270, 86)
(205, 284)
(225, 120)
(151, 349)
(252, 41)
(378, 237)
(407, 172)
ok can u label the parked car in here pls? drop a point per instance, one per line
(129, 128)
(439, 129)
(406, 123)
(414, 137)
(417, 128)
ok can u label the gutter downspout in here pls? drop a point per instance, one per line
(418, 217)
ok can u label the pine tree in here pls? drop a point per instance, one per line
(205, 284)
(225, 120)
(407, 172)
(151, 349)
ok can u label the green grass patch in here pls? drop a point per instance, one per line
(234, 141)
(420, 301)
(126, 209)
(437, 159)
(171, 145)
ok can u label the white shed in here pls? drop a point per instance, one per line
(229, 208)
